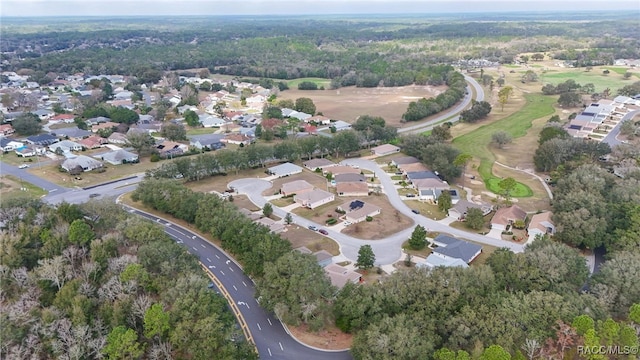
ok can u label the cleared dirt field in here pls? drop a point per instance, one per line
(389, 221)
(300, 236)
(331, 338)
(350, 102)
(219, 183)
(13, 188)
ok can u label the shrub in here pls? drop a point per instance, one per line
(369, 219)
(331, 221)
(154, 158)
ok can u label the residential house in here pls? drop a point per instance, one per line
(44, 114)
(295, 187)
(207, 141)
(108, 125)
(42, 139)
(340, 276)
(6, 130)
(71, 133)
(250, 214)
(273, 226)
(352, 188)
(404, 160)
(459, 210)
(65, 146)
(349, 177)
(314, 198)
(118, 138)
(418, 175)
(82, 162)
(171, 148)
(137, 130)
(118, 157)
(451, 248)
(209, 121)
(30, 150)
(148, 126)
(237, 139)
(341, 169)
(314, 164)
(98, 120)
(341, 125)
(323, 257)
(62, 118)
(8, 144)
(285, 169)
(319, 119)
(505, 217)
(413, 167)
(434, 260)
(385, 149)
(540, 224)
(358, 211)
(93, 142)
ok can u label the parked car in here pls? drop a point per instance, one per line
(94, 195)
(415, 211)
(346, 223)
(23, 166)
(313, 228)
(411, 195)
(323, 232)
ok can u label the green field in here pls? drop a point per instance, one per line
(613, 81)
(293, 84)
(201, 131)
(477, 142)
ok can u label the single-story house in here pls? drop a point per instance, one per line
(319, 119)
(43, 114)
(72, 133)
(295, 187)
(250, 214)
(340, 276)
(434, 260)
(8, 144)
(419, 175)
(300, 116)
(6, 130)
(404, 160)
(505, 217)
(357, 210)
(323, 257)
(211, 121)
(341, 125)
(342, 178)
(117, 157)
(29, 150)
(314, 198)
(81, 161)
(237, 139)
(64, 118)
(460, 209)
(452, 248)
(352, 189)
(432, 194)
(429, 184)
(273, 226)
(207, 141)
(104, 125)
(171, 148)
(341, 169)
(98, 120)
(385, 149)
(285, 169)
(93, 142)
(42, 140)
(65, 146)
(413, 167)
(314, 164)
(540, 224)
(118, 138)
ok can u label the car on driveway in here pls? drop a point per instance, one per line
(313, 228)
(23, 166)
(411, 195)
(323, 232)
(415, 211)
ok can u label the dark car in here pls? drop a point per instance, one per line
(94, 195)
(415, 211)
(313, 228)
(323, 232)
(411, 195)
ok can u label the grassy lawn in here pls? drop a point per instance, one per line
(293, 84)
(396, 177)
(426, 209)
(12, 187)
(282, 202)
(614, 80)
(201, 131)
(478, 141)
(423, 253)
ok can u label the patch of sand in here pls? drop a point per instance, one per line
(329, 339)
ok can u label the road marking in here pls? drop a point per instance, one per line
(227, 262)
(244, 283)
(194, 248)
(269, 351)
(209, 260)
(217, 256)
(193, 237)
(235, 288)
(281, 348)
(222, 272)
(259, 328)
(204, 247)
(269, 320)
(212, 266)
(230, 268)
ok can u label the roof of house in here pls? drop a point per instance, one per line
(250, 214)
(272, 225)
(366, 210)
(463, 205)
(322, 255)
(340, 276)
(117, 136)
(456, 248)
(116, 156)
(82, 161)
(295, 186)
(72, 132)
(405, 160)
(92, 141)
(285, 169)
(427, 174)
(350, 178)
(236, 137)
(342, 169)
(541, 221)
(313, 195)
(318, 163)
(505, 215)
(206, 139)
(341, 124)
(429, 184)
(385, 148)
(98, 120)
(413, 167)
(352, 187)
(42, 138)
(434, 261)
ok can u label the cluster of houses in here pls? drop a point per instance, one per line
(338, 275)
(427, 183)
(599, 118)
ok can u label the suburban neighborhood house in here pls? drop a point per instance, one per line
(314, 198)
(340, 276)
(295, 187)
(352, 189)
(341, 169)
(80, 163)
(358, 211)
(323, 257)
(598, 119)
(506, 217)
(450, 251)
(459, 210)
(286, 169)
(540, 224)
(385, 149)
(118, 157)
(274, 227)
(321, 164)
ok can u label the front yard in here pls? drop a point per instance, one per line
(426, 209)
(388, 222)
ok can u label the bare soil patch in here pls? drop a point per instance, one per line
(219, 183)
(299, 236)
(388, 222)
(350, 102)
(312, 178)
(241, 201)
(330, 339)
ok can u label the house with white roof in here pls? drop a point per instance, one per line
(314, 198)
(285, 169)
(82, 162)
(540, 224)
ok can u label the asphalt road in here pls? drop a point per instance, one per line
(612, 137)
(6, 169)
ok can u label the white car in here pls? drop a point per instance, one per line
(23, 166)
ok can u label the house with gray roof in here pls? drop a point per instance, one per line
(342, 178)
(416, 175)
(452, 248)
(211, 121)
(42, 139)
(404, 160)
(314, 164)
(81, 162)
(117, 157)
(460, 209)
(207, 141)
(314, 198)
(341, 125)
(73, 133)
(285, 169)
(65, 146)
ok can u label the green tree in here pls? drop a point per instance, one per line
(366, 257)
(123, 115)
(174, 132)
(272, 112)
(501, 138)
(569, 99)
(504, 94)
(474, 219)
(305, 105)
(80, 233)
(69, 212)
(445, 202)
(122, 343)
(462, 160)
(592, 341)
(191, 118)
(27, 124)
(507, 185)
(582, 324)
(156, 321)
(141, 141)
(267, 209)
(495, 352)
(634, 313)
(552, 132)
(288, 219)
(418, 239)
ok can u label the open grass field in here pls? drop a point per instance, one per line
(613, 80)
(293, 84)
(478, 141)
(12, 187)
(350, 102)
(201, 131)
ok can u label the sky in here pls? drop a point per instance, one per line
(289, 7)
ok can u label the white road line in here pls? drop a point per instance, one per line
(259, 328)
(193, 237)
(269, 351)
(217, 256)
(244, 283)
(269, 320)
(221, 272)
(234, 287)
(257, 302)
(281, 348)
(204, 247)
(195, 248)
(230, 268)
(209, 260)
